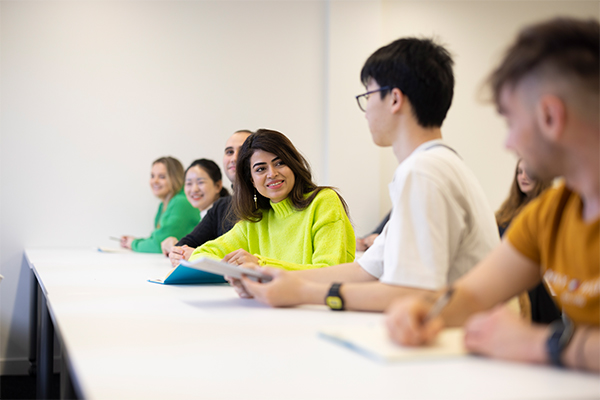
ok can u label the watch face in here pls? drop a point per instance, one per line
(334, 302)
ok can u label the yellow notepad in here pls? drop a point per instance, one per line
(374, 342)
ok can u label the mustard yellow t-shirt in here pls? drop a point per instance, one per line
(552, 233)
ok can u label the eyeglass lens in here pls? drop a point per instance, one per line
(362, 102)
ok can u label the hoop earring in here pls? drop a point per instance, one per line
(255, 202)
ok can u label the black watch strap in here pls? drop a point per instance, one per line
(334, 299)
(560, 335)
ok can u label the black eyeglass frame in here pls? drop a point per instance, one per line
(366, 95)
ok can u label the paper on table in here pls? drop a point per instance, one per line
(374, 342)
(224, 269)
(112, 250)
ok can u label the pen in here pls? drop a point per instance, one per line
(439, 304)
(114, 238)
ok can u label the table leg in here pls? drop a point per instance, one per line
(66, 385)
(46, 356)
(33, 324)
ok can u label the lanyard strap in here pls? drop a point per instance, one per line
(446, 146)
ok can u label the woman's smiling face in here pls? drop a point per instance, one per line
(159, 181)
(201, 191)
(270, 176)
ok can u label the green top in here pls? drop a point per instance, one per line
(177, 220)
(318, 236)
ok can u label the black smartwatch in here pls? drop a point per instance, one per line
(333, 299)
(560, 335)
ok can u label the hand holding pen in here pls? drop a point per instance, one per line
(415, 321)
(125, 241)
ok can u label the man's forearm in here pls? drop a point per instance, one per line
(362, 296)
(375, 296)
(504, 273)
(461, 306)
(584, 350)
(349, 272)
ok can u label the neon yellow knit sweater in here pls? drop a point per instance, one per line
(318, 236)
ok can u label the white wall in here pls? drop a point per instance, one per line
(91, 92)
(477, 33)
(354, 33)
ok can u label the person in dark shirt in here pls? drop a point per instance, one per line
(218, 220)
(362, 244)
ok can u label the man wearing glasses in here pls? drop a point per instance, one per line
(547, 89)
(441, 224)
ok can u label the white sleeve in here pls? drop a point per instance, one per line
(372, 260)
(423, 231)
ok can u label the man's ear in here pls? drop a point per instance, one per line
(397, 99)
(551, 115)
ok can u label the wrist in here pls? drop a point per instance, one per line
(575, 354)
(559, 335)
(536, 347)
(313, 292)
(334, 299)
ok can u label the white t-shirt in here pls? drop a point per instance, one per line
(441, 224)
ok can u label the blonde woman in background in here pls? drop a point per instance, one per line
(524, 189)
(175, 215)
(538, 304)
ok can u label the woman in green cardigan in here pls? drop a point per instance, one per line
(175, 216)
(285, 219)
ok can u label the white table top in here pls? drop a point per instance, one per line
(128, 338)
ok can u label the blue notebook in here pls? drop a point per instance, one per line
(182, 275)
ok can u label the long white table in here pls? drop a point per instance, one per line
(126, 338)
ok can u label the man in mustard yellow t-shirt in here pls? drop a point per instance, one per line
(554, 235)
(547, 89)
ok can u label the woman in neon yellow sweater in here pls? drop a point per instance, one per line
(285, 219)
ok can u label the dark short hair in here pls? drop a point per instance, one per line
(422, 70)
(568, 46)
(276, 143)
(213, 171)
